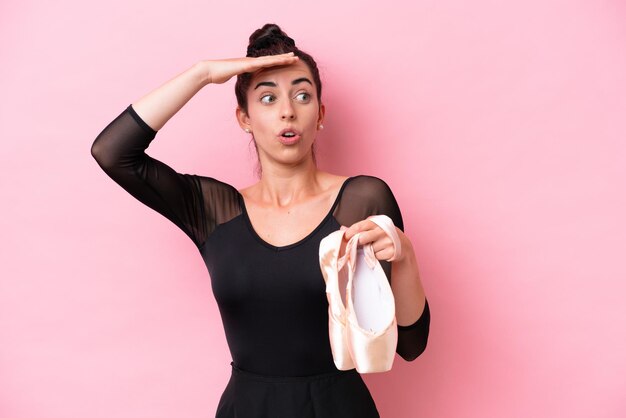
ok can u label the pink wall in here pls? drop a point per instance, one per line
(500, 126)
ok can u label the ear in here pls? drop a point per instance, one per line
(322, 111)
(242, 118)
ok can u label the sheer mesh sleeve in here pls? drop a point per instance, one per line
(368, 195)
(195, 204)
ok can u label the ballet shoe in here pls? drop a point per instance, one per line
(363, 331)
(371, 326)
(328, 256)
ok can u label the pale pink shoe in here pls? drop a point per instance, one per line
(329, 254)
(363, 332)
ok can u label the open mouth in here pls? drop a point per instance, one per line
(289, 133)
(289, 137)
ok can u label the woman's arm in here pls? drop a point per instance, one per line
(412, 310)
(406, 285)
(120, 148)
(158, 106)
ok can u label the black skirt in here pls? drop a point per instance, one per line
(340, 394)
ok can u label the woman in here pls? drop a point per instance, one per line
(260, 244)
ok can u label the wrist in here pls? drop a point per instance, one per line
(406, 251)
(202, 71)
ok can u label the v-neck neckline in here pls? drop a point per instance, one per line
(300, 241)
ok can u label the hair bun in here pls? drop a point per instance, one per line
(266, 37)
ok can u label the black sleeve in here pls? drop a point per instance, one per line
(369, 195)
(412, 338)
(120, 151)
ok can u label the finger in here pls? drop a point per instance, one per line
(382, 243)
(268, 60)
(361, 226)
(280, 55)
(384, 254)
(286, 54)
(370, 236)
(275, 64)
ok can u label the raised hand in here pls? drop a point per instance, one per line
(220, 71)
(158, 106)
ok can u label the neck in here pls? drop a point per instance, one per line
(284, 186)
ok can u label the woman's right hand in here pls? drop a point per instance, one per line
(220, 71)
(158, 106)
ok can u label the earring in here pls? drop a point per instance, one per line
(321, 126)
(247, 130)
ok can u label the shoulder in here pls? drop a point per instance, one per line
(204, 180)
(368, 186)
(214, 188)
(370, 195)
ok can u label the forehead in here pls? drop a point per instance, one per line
(281, 74)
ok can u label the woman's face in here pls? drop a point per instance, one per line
(279, 98)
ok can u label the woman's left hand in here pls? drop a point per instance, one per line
(372, 233)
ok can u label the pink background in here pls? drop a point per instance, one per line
(499, 126)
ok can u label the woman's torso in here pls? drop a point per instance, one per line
(270, 292)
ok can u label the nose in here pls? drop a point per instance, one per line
(287, 112)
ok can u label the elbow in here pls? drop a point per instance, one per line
(412, 339)
(103, 157)
(96, 151)
(417, 350)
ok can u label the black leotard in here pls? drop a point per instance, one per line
(271, 299)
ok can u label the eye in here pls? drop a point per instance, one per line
(268, 98)
(306, 97)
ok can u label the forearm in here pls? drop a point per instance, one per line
(158, 106)
(406, 285)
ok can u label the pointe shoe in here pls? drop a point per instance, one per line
(371, 326)
(359, 336)
(328, 255)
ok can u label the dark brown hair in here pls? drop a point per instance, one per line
(271, 40)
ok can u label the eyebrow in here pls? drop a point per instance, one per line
(293, 83)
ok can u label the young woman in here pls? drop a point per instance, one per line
(260, 244)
